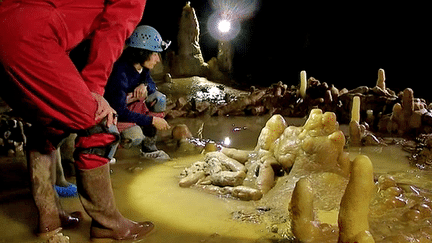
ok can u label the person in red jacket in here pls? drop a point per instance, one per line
(47, 90)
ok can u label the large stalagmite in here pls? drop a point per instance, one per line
(302, 215)
(353, 215)
(189, 61)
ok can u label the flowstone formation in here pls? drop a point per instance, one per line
(315, 147)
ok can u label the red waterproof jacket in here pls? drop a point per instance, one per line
(108, 24)
(36, 38)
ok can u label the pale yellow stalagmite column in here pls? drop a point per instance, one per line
(354, 207)
(303, 84)
(355, 111)
(354, 126)
(302, 214)
(381, 79)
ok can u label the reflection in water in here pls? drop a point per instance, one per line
(147, 190)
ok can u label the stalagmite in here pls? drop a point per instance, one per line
(230, 163)
(237, 154)
(381, 79)
(302, 214)
(225, 56)
(265, 180)
(354, 126)
(243, 192)
(408, 102)
(191, 179)
(274, 127)
(405, 116)
(228, 178)
(189, 61)
(303, 84)
(286, 147)
(354, 208)
(355, 111)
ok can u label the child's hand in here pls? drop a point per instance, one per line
(160, 123)
(140, 92)
(130, 98)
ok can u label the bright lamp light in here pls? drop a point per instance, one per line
(224, 26)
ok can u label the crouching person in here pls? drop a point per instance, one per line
(133, 94)
(44, 87)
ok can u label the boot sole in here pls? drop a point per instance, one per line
(47, 235)
(110, 240)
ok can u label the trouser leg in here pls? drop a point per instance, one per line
(132, 136)
(149, 141)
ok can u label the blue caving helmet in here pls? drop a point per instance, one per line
(147, 37)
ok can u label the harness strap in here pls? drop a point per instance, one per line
(106, 151)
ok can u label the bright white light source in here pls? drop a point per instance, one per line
(227, 141)
(224, 26)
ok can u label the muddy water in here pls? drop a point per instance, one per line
(146, 190)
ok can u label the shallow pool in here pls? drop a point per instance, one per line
(147, 190)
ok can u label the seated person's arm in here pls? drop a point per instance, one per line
(140, 93)
(116, 95)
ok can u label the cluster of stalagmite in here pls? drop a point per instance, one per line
(380, 108)
(316, 146)
(409, 115)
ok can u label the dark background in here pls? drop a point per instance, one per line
(339, 44)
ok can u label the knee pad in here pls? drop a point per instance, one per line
(156, 102)
(95, 146)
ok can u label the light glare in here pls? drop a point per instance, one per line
(227, 141)
(224, 26)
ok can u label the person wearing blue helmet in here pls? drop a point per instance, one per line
(132, 92)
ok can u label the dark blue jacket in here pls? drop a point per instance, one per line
(123, 80)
